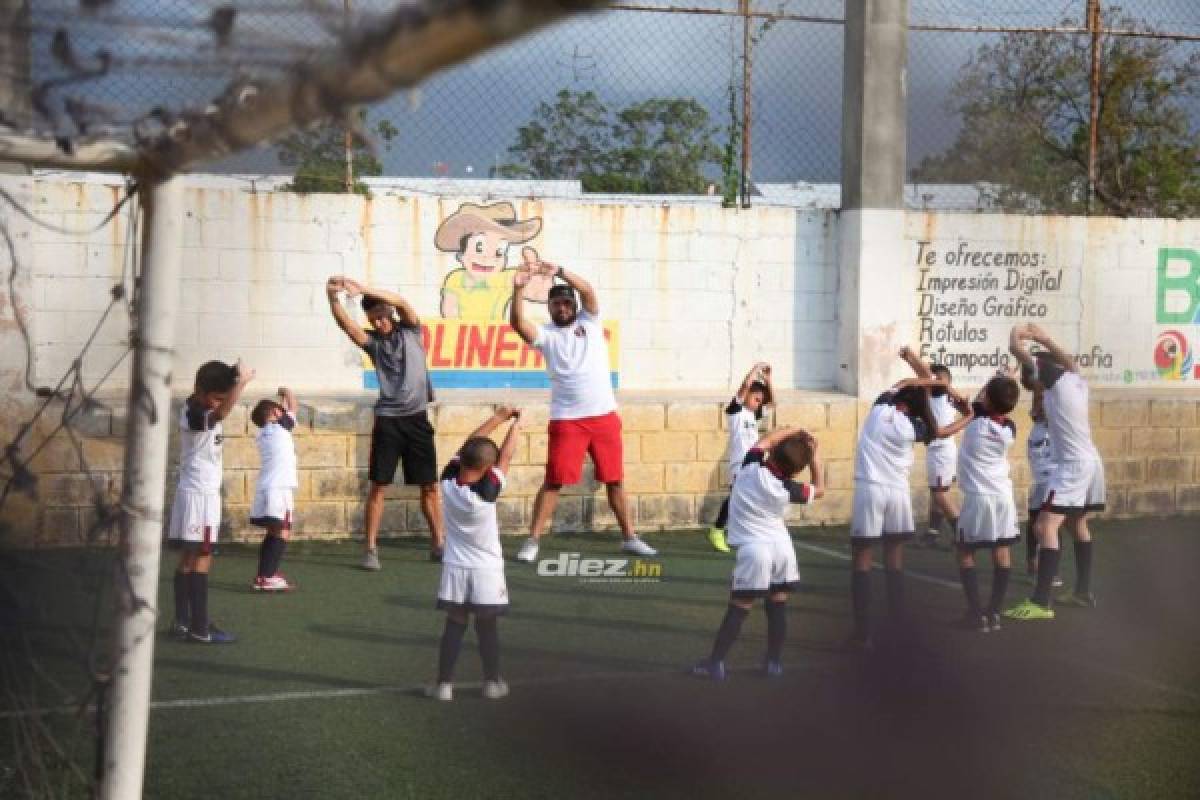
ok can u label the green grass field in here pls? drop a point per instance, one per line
(321, 698)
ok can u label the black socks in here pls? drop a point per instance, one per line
(183, 601)
(731, 626)
(452, 636)
(1047, 569)
(1083, 568)
(860, 597)
(776, 629)
(489, 646)
(999, 588)
(270, 554)
(970, 583)
(197, 583)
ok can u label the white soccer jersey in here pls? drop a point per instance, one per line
(1066, 405)
(1040, 452)
(983, 457)
(200, 441)
(469, 509)
(885, 446)
(758, 501)
(277, 452)
(743, 432)
(944, 414)
(577, 363)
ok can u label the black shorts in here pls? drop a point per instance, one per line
(403, 439)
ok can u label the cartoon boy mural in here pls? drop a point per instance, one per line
(479, 236)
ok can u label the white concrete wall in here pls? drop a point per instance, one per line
(699, 292)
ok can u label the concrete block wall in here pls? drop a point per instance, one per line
(676, 474)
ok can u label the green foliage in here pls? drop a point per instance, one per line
(658, 146)
(318, 156)
(1024, 103)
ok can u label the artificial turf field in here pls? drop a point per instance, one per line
(320, 697)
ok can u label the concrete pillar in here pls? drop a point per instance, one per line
(14, 69)
(875, 298)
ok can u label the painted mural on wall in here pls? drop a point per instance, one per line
(1176, 315)
(472, 346)
(970, 294)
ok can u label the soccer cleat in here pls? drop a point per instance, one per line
(636, 546)
(713, 670)
(773, 669)
(994, 621)
(440, 691)
(975, 622)
(495, 690)
(370, 561)
(1077, 600)
(271, 583)
(178, 630)
(1057, 583)
(716, 538)
(528, 551)
(1029, 610)
(214, 636)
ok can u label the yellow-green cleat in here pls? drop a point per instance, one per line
(1029, 610)
(716, 537)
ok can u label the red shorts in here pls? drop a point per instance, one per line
(599, 437)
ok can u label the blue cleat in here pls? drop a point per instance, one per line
(773, 669)
(713, 670)
(214, 636)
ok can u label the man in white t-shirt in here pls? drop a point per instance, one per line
(1076, 487)
(583, 408)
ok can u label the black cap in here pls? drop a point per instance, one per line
(562, 290)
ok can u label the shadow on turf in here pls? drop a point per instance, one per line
(274, 675)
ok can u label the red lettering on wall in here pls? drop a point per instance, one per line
(505, 342)
(480, 348)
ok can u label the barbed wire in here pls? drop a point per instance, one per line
(55, 648)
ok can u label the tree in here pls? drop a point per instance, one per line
(1024, 103)
(318, 156)
(658, 146)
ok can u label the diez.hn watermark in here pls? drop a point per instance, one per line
(600, 570)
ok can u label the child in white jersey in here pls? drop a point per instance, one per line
(1076, 488)
(766, 558)
(742, 416)
(274, 504)
(941, 459)
(882, 506)
(989, 514)
(473, 563)
(1040, 455)
(196, 510)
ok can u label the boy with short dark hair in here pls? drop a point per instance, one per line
(1076, 488)
(742, 416)
(941, 457)
(473, 563)
(274, 502)
(196, 510)
(882, 509)
(989, 515)
(766, 558)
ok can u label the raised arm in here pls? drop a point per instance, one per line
(289, 400)
(244, 376)
(1016, 346)
(1064, 359)
(516, 309)
(509, 445)
(751, 374)
(774, 437)
(964, 409)
(408, 315)
(919, 367)
(816, 471)
(333, 290)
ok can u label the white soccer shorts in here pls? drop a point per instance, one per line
(881, 511)
(1076, 487)
(195, 517)
(941, 467)
(473, 589)
(273, 506)
(765, 567)
(987, 520)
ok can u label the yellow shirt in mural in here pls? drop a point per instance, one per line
(482, 296)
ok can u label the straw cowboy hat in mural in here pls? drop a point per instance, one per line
(498, 218)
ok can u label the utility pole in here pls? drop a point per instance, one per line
(145, 474)
(1094, 26)
(747, 46)
(349, 132)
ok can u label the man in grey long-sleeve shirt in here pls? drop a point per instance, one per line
(402, 433)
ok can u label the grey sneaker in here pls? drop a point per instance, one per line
(528, 551)
(639, 548)
(370, 561)
(440, 691)
(495, 690)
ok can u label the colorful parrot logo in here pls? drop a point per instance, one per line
(1173, 356)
